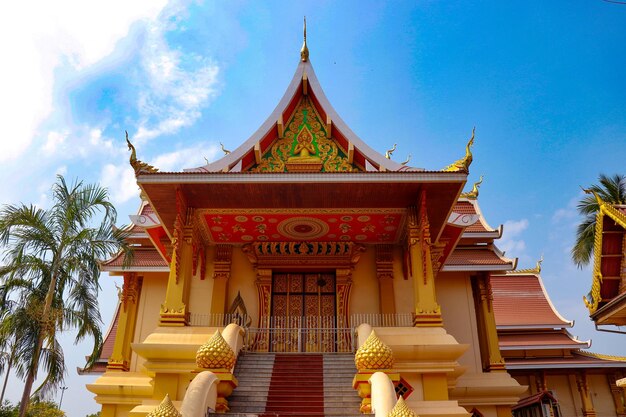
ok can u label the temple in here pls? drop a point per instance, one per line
(304, 273)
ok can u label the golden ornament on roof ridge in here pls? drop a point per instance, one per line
(401, 410)
(138, 166)
(473, 195)
(165, 409)
(304, 52)
(215, 354)
(390, 151)
(373, 354)
(464, 163)
(536, 270)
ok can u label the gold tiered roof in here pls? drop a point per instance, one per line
(165, 409)
(401, 410)
(215, 353)
(373, 354)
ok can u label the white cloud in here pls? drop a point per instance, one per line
(54, 141)
(177, 87)
(186, 158)
(510, 241)
(36, 40)
(120, 180)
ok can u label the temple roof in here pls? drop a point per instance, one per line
(478, 258)
(551, 339)
(107, 346)
(144, 260)
(577, 360)
(521, 302)
(480, 230)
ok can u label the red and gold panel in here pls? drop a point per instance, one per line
(278, 225)
(295, 305)
(295, 283)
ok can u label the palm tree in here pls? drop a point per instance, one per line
(50, 277)
(611, 190)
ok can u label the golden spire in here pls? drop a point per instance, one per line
(390, 151)
(215, 354)
(138, 166)
(373, 354)
(536, 270)
(401, 410)
(406, 161)
(226, 151)
(304, 52)
(464, 163)
(165, 409)
(473, 195)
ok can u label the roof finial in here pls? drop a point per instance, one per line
(390, 151)
(304, 52)
(473, 195)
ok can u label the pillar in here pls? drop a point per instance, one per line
(490, 350)
(174, 310)
(618, 395)
(384, 273)
(585, 397)
(126, 319)
(427, 310)
(222, 261)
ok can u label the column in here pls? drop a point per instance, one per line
(222, 260)
(583, 390)
(384, 273)
(490, 352)
(126, 319)
(427, 310)
(174, 310)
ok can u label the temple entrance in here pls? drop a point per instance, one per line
(303, 314)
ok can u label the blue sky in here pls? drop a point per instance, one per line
(543, 82)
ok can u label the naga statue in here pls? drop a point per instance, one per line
(138, 166)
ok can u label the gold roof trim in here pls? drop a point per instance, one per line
(165, 409)
(473, 195)
(304, 52)
(373, 354)
(536, 270)
(464, 163)
(401, 410)
(615, 358)
(215, 354)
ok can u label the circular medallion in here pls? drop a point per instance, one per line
(360, 237)
(217, 229)
(332, 220)
(344, 237)
(390, 228)
(275, 235)
(272, 220)
(302, 228)
(346, 218)
(262, 237)
(247, 238)
(241, 219)
(363, 219)
(258, 218)
(332, 236)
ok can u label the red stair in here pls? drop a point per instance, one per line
(297, 386)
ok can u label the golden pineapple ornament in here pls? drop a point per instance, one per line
(373, 354)
(401, 410)
(165, 409)
(215, 354)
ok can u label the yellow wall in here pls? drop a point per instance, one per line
(454, 293)
(242, 278)
(601, 396)
(200, 289)
(402, 288)
(364, 295)
(152, 295)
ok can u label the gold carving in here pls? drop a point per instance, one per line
(464, 163)
(401, 410)
(215, 354)
(390, 151)
(226, 151)
(384, 262)
(373, 354)
(129, 290)
(222, 261)
(473, 195)
(138, 166)
(165, 409)
(293, 151)
(536, 270)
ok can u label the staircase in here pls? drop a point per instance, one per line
(294, 385)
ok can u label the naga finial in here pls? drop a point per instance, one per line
(138, 166)
(464, 163)
(473, 195)
(408, 158)
(390, 151)
(304, 52)
(595, 194)
(539, 262)
(226, 151)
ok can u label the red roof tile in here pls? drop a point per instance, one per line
(577, 360)
(559, 339)
(474, 258)
(521, 301)
(470, 207)
(142, 258)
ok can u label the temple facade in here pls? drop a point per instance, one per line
(306, 245)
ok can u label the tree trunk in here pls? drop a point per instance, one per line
(6, 379)
(32, 372)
